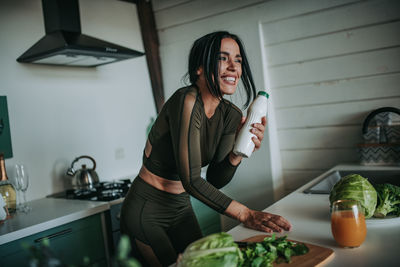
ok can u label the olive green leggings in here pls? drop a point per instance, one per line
(164, 221)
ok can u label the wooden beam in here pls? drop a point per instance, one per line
(151, 46)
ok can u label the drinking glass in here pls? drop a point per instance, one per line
(23, 182)
(348, 223)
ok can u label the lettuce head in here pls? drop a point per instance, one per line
(213, 250)
(355, 187)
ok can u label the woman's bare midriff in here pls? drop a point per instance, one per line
(173, 187)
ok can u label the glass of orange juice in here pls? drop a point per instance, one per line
(348, 223)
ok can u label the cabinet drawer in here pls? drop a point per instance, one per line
(70, 242)
(115, 214)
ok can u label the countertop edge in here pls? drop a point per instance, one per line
(34, 229)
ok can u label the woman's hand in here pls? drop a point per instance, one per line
(266, 222)
(257, 220)
(258, 130)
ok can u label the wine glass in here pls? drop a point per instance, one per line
(348, 223)
(17, 186)
(23, 183)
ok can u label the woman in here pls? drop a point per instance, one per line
(195, 128)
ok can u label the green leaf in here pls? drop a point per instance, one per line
(287, 253)
(260, 249)
(257, 262)
(300, 249)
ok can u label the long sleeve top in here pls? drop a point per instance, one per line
(183, 140)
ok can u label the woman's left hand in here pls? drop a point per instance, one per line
(258, 130)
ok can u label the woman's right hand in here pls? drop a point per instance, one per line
(266, 222)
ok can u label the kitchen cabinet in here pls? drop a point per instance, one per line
(70, 242)
(112, 220)
(209, 219)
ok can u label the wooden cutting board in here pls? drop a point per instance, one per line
(317, 256)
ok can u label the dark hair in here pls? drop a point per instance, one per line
(204, 53)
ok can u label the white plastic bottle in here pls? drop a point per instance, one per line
(244, 145)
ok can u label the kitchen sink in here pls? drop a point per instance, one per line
(326, 183)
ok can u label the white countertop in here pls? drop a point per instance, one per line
(47, 213)
(310, 218)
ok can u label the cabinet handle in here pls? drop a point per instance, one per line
(63, 232)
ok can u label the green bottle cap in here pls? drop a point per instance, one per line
(263, 93)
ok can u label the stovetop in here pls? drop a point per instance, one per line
(103, 191)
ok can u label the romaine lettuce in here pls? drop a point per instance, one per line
(213, 250)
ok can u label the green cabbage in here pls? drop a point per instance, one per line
(213, 250)
(358, 188)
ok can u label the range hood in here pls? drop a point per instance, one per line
(64, 44)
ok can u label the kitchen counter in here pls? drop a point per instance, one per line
(47, 213)
(310, 219)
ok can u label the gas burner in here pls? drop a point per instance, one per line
(80, 193)
(111, 194)
(104, 191)
(116, 184)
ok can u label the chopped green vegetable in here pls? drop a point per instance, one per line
(220, 250)
(273, 248)
(388, 200)
(358, 188)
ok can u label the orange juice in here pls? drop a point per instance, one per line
(348, 228)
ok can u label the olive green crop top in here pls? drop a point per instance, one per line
(183, 140)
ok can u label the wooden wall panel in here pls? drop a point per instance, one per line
(338, 43)
(189, 11)
(159, 5)
(347, 113)
(321, 137)
(320, 159)
(192, 16)
(335, 68)
(353, 15)
(343, 90)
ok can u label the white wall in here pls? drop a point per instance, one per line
(58, 113)
(326, 63)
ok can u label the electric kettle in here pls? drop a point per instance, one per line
(83, 178)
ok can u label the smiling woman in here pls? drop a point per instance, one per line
(230, 66)
(195, 128)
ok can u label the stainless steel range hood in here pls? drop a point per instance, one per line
(64, 44)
